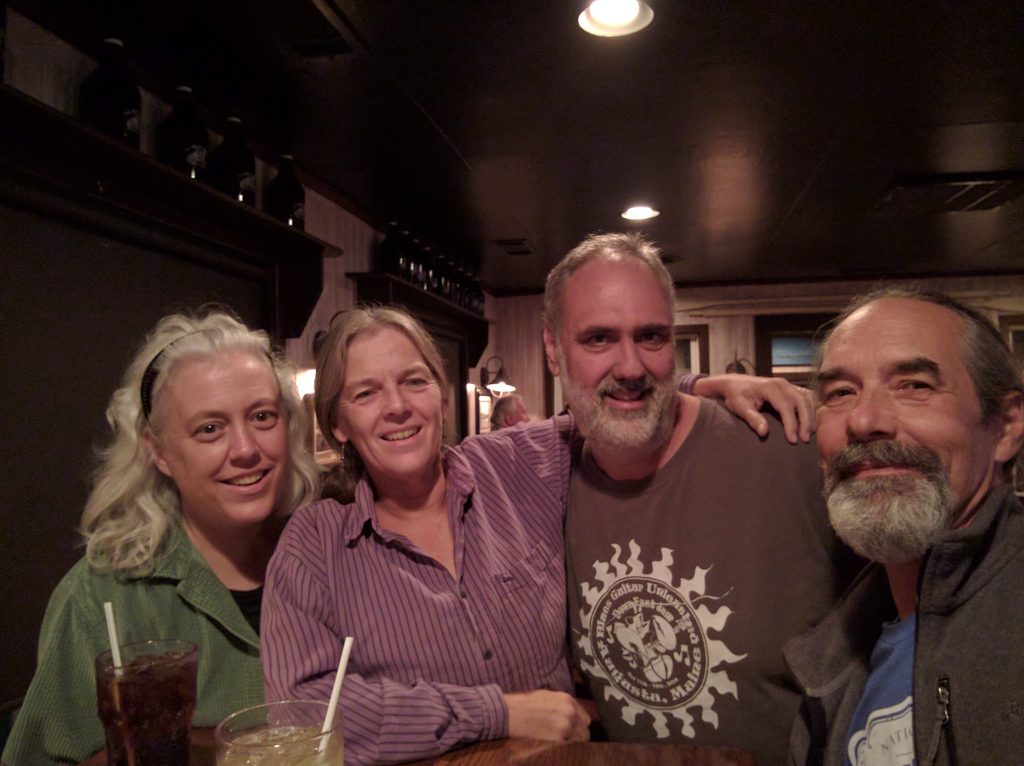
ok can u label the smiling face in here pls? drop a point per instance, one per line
(898, 407)
(390, 408)
(615, 354)
(222, 438)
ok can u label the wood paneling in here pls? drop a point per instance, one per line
(517, 340)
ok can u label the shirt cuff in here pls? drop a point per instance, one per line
(688, 381)
(493, 713)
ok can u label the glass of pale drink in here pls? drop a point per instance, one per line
(288, 733)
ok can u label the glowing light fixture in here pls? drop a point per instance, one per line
(640, 213)
(615, 18)
(304, 380)
(496, 381)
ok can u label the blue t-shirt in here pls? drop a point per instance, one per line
(882, 730)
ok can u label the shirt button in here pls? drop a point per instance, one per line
(488, 654)
(463, 594)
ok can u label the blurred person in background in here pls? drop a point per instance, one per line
(507, 411)
(205, 462)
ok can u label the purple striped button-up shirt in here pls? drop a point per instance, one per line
(432, 654)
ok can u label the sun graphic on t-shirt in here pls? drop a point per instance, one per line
(648, 640)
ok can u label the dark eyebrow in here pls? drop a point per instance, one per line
(263, 401)
(603, 330)
(595, 329)
(917, 364)
(827, 376)
(659, 328)
(350, 384)
(369, 380)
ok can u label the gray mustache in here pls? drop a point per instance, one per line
(881, 453)
(632, 386)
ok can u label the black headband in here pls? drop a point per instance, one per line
(151, 373)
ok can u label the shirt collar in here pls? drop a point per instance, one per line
(461, 479)
(173, 560)
(362, 521)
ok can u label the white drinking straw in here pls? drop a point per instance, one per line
(115, 655)
(115, 648)
(332, 706)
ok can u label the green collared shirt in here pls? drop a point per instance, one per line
(181, 599)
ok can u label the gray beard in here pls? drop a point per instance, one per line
(647, 428)
(889, 519)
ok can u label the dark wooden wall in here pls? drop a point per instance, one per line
(96, 244)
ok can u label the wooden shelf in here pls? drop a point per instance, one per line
(439, 315)
(54, 165)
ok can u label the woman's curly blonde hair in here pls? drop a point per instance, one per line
(133, 506)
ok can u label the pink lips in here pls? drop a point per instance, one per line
(627, 404)
(401, 436)
(260, 475)
(638, 400)
(870, 469)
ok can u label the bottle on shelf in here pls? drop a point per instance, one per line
(232, 167)
(182, 140)
(416, 264)
(458, 283)
(477, 300)
(441, 274)
(391, 254)
(430, 275)
(109, 99)
(285, 198)
(406, 268)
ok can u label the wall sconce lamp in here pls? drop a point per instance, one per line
(495, 379)
(615, 18)
(739, 365)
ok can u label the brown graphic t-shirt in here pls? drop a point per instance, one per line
(684, 586)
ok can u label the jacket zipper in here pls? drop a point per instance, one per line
(943, 725)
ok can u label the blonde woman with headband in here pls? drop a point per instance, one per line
(205, 462)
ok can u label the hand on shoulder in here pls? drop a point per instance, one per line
(746, 395)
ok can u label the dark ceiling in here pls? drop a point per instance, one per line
(768, 134)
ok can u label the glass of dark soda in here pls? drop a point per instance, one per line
(146, 705)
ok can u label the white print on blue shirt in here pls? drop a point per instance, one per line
(881, 732)
(888, 738)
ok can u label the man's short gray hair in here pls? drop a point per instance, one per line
(613, 248)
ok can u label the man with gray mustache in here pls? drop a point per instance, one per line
(695, 547)
(920, 421)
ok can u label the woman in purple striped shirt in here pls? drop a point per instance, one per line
(447, 567)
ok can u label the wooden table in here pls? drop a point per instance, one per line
(203, 751)
(526, 752)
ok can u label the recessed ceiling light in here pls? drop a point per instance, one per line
(615, 18)
(640, 213)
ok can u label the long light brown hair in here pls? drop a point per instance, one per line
(331, 358)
